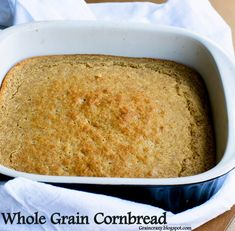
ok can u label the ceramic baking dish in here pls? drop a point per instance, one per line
(138, 40)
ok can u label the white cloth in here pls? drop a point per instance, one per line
(195, 15)
(6, 13)
(28, 196)
(23, 11)
(38, 10)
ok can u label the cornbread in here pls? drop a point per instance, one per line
(97, 115)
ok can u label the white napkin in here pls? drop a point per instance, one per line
(22, 11)
(28, 196)
(195, 15)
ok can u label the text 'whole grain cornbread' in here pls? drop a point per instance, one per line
(88, 115)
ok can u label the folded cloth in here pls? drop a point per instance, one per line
(6, 13)
(22, 11)
(28, 196)
(195, 15)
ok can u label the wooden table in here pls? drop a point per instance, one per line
(227, 10)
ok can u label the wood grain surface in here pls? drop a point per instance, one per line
(226, 8)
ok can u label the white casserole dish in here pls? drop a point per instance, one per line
(134, 40)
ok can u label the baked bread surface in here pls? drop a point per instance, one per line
(97, 115)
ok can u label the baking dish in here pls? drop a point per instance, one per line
(138, 40)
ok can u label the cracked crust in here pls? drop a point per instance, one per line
(90, 115)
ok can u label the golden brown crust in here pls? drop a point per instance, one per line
(90, 115)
